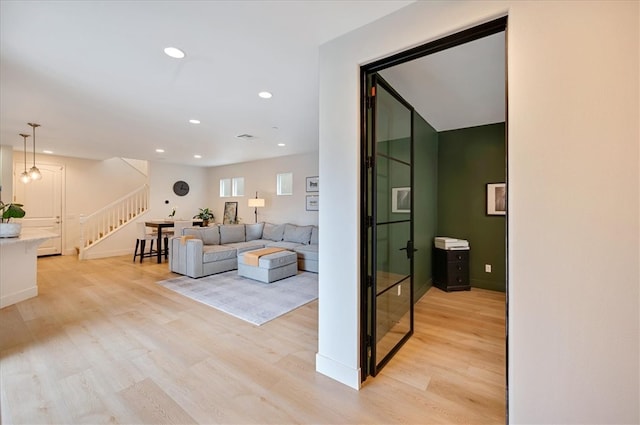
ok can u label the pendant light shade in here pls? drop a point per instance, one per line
(25, 177)
(34, 173)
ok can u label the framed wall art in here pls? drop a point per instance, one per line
(496, 199)
(401, 200)
(230, 213)
(313, 184)
(313, 202)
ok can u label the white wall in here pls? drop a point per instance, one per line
(88, 186)
(573, 199)
(261, 176)
(91, 184)
(6, 172)
(161, 179)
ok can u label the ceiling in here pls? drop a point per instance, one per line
(94, 75)
(456, 88)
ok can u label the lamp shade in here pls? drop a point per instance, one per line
(256, 202)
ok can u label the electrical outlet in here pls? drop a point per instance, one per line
(487, 268)
(399, 290)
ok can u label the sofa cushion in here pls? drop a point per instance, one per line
(309, 252)
(253, 231)
(298, 234)
(208, 235)
(211, 253)
(273, 232)
(230, 233)
(286, 245)
(246, 246)
(314, 236)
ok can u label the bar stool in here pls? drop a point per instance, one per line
(142, 237)
(178, 225)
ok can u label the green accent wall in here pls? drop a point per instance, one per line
(425, 198)
(468, 159)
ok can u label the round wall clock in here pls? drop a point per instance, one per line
(180, 188)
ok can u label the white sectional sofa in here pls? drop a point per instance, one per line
(201, 251)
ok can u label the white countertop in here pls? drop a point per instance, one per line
(29, 235)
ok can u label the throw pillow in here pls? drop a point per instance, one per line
(231, 233)
(297, 234)
(273, 232)
(208, 235)
(253, 231)
(314, 236)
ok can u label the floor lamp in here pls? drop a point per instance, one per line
(256, 203)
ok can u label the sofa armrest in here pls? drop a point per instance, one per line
(185, 258)
(194, 248)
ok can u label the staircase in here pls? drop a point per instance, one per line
(96, 227)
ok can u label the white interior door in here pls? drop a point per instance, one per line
(42, 201)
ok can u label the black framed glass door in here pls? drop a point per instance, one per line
(388, 307)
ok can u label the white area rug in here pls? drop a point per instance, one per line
(248, 299)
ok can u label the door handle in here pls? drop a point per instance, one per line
(409, 248)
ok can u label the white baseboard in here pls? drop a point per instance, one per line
(16, 297)
(104, 254)
(338, 371)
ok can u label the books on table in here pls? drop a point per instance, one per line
(451, 243)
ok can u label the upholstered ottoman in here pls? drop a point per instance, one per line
(268, 264)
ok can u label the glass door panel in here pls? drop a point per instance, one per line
(390, 236)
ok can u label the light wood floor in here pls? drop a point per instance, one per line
(102, 343)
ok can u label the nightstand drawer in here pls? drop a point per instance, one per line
(451, 269)
(458, 255)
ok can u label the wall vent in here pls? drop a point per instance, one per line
(246, 136)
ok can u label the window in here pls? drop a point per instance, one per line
(237, 186)
(284, 184)
(232, 187)
(225, 188)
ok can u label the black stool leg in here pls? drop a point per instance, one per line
(135, 253)
(166, 247)
(143, 243)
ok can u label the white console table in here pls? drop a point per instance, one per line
(19, 266)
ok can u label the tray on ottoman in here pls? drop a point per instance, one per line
(270, 267)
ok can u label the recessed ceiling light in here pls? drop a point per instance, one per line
(46, 151)
(281, 144)
(194, 121)
(174, 52)
(160, 150)
(197, 156)
(265, 95)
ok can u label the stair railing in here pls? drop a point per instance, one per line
(99, 225)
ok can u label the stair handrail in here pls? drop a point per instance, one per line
(99, 224)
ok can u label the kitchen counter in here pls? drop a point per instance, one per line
(19, 266)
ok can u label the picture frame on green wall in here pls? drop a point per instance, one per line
(496, 198)
(401, 200)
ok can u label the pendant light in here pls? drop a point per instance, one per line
(34, 173)
(24, 177)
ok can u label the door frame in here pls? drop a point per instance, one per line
(474, 33)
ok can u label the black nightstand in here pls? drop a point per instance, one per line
(451, 269)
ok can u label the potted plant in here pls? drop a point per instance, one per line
(205, 215)
(7, 212)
